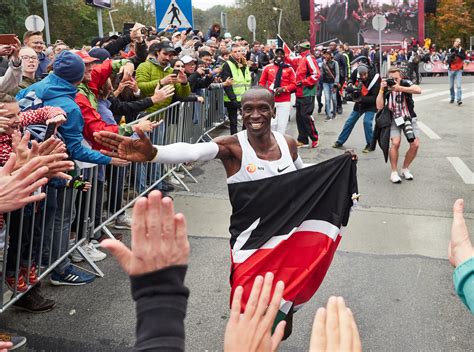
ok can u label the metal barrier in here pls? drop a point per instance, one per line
(42, 236)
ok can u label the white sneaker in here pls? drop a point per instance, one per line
(395, 178)
(123, 222)
(76, 257)
(94, 253)
(173, 181)
(407, 175)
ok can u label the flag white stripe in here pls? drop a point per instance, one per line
(324, 227)
(244, 236)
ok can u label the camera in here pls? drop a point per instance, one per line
(353, 93)
(206, 71)
(407, 128)
(390, 82)
(146, 30)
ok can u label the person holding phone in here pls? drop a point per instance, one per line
(156, 71)
(10, 46)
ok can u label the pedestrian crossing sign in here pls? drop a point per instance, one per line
(175, 12)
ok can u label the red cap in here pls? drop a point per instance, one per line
(86, 58)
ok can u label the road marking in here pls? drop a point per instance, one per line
(462, 169)
(464, 96)
(428, 96)
(428, 131)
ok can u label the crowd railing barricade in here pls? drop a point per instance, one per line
(43, 236)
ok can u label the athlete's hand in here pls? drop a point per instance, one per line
(136, 150)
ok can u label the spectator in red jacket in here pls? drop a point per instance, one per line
(280, 79)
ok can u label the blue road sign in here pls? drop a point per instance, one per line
(176, 12)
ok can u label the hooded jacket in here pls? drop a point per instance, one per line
(55, 91)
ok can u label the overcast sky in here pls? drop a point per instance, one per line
(205, 4)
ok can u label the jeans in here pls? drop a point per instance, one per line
(329, 95)
(455, 76)
(350, 123)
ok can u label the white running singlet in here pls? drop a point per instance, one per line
(253, 168)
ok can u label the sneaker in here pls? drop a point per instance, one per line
(174, 181)
(328, 118)
(367, 149)
(395, 178)
(339, 110)
(314, 144)
(30, 275)
(71, 277)
(451, 101)
(166, 187)
(34, 302)
(103, 236)
(123, 222)
(21, 285)
(94, 253)
(301, 144)
(188, 166)
(407, 175)
(17, 341)
(320, 108)
(76, 257)
(333, 116)
(337, 145)
(459, 103)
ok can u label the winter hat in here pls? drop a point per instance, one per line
(100, 54)
(69, 66)
(362, 69)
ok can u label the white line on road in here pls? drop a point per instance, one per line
(462, 169)
(423, 97)
(464, 96)
(428, 131)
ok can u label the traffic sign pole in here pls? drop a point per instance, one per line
(379, 23)
(99, 22)
(46, 21)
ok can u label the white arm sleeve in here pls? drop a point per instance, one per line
(184, 152)
(298, 163)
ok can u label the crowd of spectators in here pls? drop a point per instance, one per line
(104, 86)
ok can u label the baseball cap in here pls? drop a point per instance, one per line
(86, 58)
(166, 46)
(99, 53)
(187, 59)
(237, 37)
(69, 66)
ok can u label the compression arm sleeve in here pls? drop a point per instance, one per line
(298, 163)
(184, 152)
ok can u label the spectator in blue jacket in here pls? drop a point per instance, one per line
(461, 256)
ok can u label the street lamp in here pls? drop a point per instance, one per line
(111, 21)
(279, 19)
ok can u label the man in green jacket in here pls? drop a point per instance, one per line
(156, 71)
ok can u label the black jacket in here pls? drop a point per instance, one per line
(369, 101)
(161, 302)
(226, 73)
(129, 109)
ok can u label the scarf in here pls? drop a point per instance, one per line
(281, 66)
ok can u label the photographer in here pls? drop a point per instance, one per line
(330, 78)
(455, 60)
(362, 89)
(397, 93)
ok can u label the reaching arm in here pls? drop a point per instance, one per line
(183, 152)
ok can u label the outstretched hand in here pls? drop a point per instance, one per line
(334, 329)
(159, 237)
(136, 150)
(460, 247)
(251, 331)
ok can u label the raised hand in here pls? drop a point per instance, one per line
(334, 329)
(162, 93)
(159, 237)
(460, 247)
(251, 331)
(16, 189)
(136, 150)
(146, 125)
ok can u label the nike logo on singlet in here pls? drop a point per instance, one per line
(281, 170)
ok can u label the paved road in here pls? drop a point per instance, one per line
(391, 265)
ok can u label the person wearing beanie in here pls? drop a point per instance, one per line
(368, 82)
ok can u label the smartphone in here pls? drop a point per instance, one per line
(206, 71)
(50, 131)
(176, 72)
(8, 39)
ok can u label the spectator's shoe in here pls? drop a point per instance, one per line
(103, 236)
(320, 108)
(367, 149)
(314, 144)
(166, 187)
(34, 302)
(91, 251)
(459, 102)
(71, 277)
(17, 341)
(337, 145)
(301, 144)
(407, 175)
(328, 118)
(188, 166)
(123, 222)
(451, 101)
(30, 275)
(339, 110)
(333, 116)
(395, 178)
(21, 285)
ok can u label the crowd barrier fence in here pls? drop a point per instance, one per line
(45, 236)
